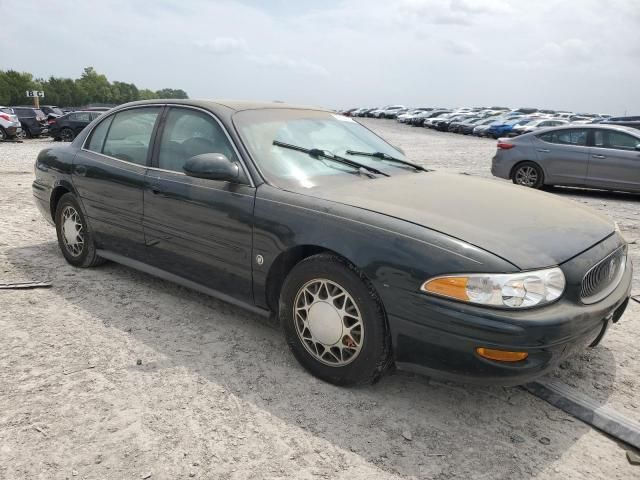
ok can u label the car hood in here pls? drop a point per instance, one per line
(528, 228)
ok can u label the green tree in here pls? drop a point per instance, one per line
(91, 87)
(171, 93)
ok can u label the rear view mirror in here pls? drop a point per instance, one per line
(638, 147)
(212, 166)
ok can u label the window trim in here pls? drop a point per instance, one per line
(158, 128)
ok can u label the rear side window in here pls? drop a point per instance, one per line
(98, 135)
(130, 134)
(80, 117)
(576, 137)
(616, 140)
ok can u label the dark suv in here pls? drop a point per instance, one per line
(33, 121)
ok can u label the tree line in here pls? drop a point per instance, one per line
(91, 87)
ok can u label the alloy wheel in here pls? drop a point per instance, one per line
(527, 176)
(66, 135)
(72, 231)
(328, 322)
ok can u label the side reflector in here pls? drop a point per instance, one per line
(501, 355)
(454, 287)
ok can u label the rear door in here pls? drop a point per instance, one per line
(109, 174)
(195, 228)
(614, 161)
(563, 155)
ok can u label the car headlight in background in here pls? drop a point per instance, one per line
(617, 229)
(511, 290)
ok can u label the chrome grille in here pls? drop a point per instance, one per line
(604, 276)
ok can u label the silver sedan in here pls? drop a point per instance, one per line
(594, 156)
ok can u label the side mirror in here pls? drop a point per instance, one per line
(638, 147)
(212, 166)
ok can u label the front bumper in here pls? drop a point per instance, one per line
(438, 337)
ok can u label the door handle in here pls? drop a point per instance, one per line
(598, 156)
(80, 170)
(543, 150)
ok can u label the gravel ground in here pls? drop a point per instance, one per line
(113, 374)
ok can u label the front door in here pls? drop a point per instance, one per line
(614, 161)
(198, 229)
(109, 174)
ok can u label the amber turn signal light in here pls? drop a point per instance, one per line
(452, 287)
(501, 355)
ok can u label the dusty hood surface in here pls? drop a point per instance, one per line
(530, 229)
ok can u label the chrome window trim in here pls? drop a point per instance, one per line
(169, 105)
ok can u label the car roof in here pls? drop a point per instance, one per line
(225, 105)
(592, 126)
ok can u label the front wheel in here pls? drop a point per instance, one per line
(528, 174)
(334, 322)
(74, 237)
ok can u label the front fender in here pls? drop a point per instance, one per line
(390, 252)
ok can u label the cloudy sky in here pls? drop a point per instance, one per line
(581, 55)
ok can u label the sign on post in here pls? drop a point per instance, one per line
(36, 95)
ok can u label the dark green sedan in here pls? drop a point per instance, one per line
(367, 259)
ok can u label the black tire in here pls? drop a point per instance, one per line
(85, 256)
(67, 135)
(3, 135)
(373, 358)
(528, 174)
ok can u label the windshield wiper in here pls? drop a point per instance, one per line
(388, 158)
(317, 153)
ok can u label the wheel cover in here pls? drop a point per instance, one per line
(527, 176)
(67, 135)
(72, 231)
(328, 322)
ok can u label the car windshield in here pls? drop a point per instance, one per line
(310, 129)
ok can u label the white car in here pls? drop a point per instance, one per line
(537, 124)
(9, 124)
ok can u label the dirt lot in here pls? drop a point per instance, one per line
(217, 394)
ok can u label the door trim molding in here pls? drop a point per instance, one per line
(163, 274)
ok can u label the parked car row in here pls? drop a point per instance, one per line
(27, 122)
(492, 122)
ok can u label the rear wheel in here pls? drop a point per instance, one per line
(67, 135)
(334, 322)
(74, 237)
(528, 174)
(3, 135)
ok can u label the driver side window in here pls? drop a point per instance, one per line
(188, 133)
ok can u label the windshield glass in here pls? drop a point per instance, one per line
(310, 129)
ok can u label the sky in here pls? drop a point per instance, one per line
(579, 55)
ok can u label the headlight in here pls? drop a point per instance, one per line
(511, 290)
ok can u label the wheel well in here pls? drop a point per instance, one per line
(56, 195)
(281, 267)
